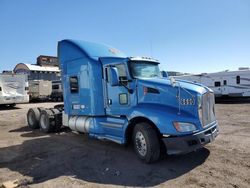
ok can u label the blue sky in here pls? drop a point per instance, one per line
(185, 35)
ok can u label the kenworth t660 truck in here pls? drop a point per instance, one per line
(113, 97)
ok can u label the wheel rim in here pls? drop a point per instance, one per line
(31, 118)
(43, 121)
(140, 143)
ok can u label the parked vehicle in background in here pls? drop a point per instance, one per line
(224, 84)
(40, 89)
(110, 96)
(57, 91)
(13, 89)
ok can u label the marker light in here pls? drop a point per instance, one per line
(145, 90)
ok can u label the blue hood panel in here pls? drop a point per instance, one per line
(168, 95)
(197, 88)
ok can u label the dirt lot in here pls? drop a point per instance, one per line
(68, 159)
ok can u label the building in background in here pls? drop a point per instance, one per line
(46, 68)
(44, 60)
(7, 72)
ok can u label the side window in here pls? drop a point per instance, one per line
(237, 79)
(55, 87)
(73, 81)
(224, 82)
(121, 71)
(217, 84)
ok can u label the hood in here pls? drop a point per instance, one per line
(165, 82)
(182, 97)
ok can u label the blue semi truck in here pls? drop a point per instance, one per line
(124, 99)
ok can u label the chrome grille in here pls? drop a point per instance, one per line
(208, 115)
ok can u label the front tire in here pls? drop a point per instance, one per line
(146, 143)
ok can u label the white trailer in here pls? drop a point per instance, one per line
(226, 83)
(40, 89)
(13, 89)
(57, 91)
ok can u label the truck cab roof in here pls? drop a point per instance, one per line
(142, 58)
(73, 49)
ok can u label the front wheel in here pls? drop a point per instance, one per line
(146, 142)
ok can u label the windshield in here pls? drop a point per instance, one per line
(144, 69)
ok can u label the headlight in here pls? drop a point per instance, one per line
(184, 126)
(199, 98)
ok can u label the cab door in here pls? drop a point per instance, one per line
(118, 98)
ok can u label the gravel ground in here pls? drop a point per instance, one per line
(69, 159)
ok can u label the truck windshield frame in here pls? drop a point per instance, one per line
(144, 69)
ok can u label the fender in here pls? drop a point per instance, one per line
(163, 117)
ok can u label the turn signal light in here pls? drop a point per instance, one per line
(145, 90)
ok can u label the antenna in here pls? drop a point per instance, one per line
(151, 49)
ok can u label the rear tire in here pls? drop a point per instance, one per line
(33, 116)
(46, 125)
(40, 109)
(146, 143)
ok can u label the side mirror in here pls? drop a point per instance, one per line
(114, 78)
(164, 74)
(172, 81)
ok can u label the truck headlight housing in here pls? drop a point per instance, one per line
(199, 98)
(184, 126)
